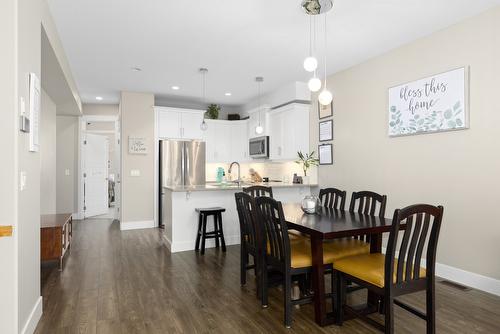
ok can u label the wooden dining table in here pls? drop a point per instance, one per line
(333, 224)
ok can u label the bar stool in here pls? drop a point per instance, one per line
(216, 234)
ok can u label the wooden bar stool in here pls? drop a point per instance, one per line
(217, 233)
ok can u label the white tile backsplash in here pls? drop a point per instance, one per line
(282, 171)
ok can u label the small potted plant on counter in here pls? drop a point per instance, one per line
(212, 111)
(307, 160)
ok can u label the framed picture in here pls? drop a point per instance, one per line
(325, 111)
(326, 130)
(433, 104)
(325, 153)
(137, 145)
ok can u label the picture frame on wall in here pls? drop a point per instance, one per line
(325, 153)
(326, 130)
(325, 111)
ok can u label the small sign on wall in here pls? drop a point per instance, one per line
(432, 104)
(137, 145)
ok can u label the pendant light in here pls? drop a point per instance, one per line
(314, 83)
(203, 71)
(325, 97)
(310, 63)
(259, 129)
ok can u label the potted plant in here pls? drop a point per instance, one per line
(213, 111)
(307, 160)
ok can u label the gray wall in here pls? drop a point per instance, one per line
(47, 155)
(459, 170)
(67, 159)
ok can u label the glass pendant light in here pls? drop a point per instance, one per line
(310, 63)
(325, 97)
(259, 129)
(203, 71)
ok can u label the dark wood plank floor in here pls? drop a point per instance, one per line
(128, 282)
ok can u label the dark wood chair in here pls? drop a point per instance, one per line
(368, 203)
(391, 277)
(280, 255)
(332, 198)
(245, 206)
(259, 191)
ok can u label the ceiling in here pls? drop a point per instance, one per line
(235, 40)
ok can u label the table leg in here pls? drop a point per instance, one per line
(320, 314)
(375, 247)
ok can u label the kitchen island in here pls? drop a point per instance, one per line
(181, 220)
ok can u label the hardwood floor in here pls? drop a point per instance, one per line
(128, 282)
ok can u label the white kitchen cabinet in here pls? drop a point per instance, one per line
(226, 141)
(288, 131)
(175, 123)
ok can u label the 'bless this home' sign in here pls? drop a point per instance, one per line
(435, 103)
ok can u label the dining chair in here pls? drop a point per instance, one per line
(399, 271)
(258, 191)
(245, 206)
(288, 258)
(332, 198)
(368, 203)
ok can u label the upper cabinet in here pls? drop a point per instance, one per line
(175, 123)
(226, 141)
(288, 131)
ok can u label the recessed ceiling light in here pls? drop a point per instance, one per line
(228, 94)
(98, 98)
(176, 87)
(136, 69)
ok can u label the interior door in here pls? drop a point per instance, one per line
(96, 153)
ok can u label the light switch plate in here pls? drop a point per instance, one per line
(22, 180)
(135, 172)
(66, 172)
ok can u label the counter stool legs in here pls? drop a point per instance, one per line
(198, 233)
(216, 234)
(221, 233)
(204, 234)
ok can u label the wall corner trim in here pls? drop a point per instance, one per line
(34, 317)
(136, 225)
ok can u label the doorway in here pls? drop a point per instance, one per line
(100, 167)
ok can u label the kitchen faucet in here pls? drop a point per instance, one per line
(238, 180)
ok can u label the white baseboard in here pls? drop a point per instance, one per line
(182, 246)
(77, 216)
(34, 317)
(168, 243)
(135, 225)
(467, 278)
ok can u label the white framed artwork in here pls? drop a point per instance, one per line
(137, 145)
(432, 104)
(34, 112)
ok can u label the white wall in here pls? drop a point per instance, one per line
(67, 159)
(8, 167)
(100, 109)
(47, 155)
(459, 170)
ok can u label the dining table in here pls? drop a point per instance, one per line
(327, 224)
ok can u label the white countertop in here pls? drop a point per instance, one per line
(233, 186)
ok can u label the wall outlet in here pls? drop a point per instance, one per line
(135, 172)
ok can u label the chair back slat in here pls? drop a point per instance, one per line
(420, 247)
(403, 248)
(249, 233)
(275, 231)
(367, 203)
(418, 220)
(332, 198)
(259, 191)
(413, 244)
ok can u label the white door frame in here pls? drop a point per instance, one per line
(81, 133)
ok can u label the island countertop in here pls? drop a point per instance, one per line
(233, 186)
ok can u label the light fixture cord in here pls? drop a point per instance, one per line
(314, 40)
(204, 88)
(310, 36)
(259, 83)
(325, 50)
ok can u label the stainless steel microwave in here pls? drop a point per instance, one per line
(259, 147)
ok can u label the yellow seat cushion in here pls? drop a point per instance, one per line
(342, 248)
(368, 267)
(301, 255)
(296, 235)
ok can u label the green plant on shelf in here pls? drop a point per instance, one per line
(307, 161)
(212, 111)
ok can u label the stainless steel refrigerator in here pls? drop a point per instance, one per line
(182, 163)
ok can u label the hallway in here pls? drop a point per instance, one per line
(127, 282)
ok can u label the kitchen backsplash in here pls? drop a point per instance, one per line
(281, 171)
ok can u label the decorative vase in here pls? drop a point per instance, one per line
(310, 204)
(305, 179)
